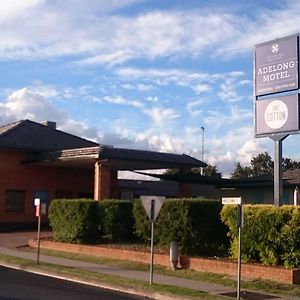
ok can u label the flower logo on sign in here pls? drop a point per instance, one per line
(275, 48)
(276, 114)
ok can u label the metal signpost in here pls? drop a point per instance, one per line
(40, 209)
(37, 203)
(276, 68)
(152, 206)
(240, 217)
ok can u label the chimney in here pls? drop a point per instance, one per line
(49, 124)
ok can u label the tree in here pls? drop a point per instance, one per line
(241, 172)
(210, 171)
(288, 164)
(262, 164)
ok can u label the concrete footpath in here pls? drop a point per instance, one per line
(13, 244)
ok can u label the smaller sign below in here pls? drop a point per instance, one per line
(232, 200)
(277, 115)
(152, 205)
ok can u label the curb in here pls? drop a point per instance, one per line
(94, 283)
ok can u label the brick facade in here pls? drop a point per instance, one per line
(31, 178)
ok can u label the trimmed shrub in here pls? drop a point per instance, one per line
(194, 224)
(270, 235)
(117, 220)
(74, 221)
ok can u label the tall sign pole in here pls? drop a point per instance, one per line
(152, 206)
(276, 72)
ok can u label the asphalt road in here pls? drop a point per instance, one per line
(20, 285)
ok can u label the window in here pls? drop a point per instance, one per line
(14, 201)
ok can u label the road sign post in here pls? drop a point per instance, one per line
(240, 220)
(37, 203)
(152, 206)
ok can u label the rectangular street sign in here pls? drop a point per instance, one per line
(276, 66)
(232, 200)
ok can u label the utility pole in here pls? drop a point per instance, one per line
(202, 152)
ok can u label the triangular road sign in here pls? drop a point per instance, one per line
(152, 205)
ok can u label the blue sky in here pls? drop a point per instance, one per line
(142, 74)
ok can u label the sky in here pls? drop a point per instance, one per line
(143, 74)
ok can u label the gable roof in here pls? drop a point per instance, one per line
(29, 135)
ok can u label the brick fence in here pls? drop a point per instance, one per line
(219, 266)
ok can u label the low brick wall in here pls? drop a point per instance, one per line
(219, 266)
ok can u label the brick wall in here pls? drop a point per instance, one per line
(18, 176)
(218, 266)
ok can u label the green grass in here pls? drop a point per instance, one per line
(115, 281)
(258, 285)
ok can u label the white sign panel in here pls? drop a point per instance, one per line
(37, 201)
(232, 200)
(152, 205)
(277, 115)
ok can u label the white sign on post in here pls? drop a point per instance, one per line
(37, 201)
(240, 221)
(232, 200)
(152, 205)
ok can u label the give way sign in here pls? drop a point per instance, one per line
(152, 205)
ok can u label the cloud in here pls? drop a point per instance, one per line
(34, 104)
(96, 32)
(192, 107)
(161, 116)
(240, 145)
(12, 9)
(122, 101)
(141, 87)
(28, 104)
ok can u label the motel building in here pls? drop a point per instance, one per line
(39, 161)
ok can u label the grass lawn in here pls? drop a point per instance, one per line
(257, 285)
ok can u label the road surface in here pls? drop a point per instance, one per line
(20, 285)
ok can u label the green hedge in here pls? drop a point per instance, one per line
(270, 235)
(74, 221)
(85, 221)
(117, 220)
(194, 224)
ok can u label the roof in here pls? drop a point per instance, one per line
(46, 144)
(142, 159)
(117, 158)
(290, 178)
(165, 188)
(29, 135)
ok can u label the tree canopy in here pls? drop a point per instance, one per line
(210, 171)
(262, 164)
